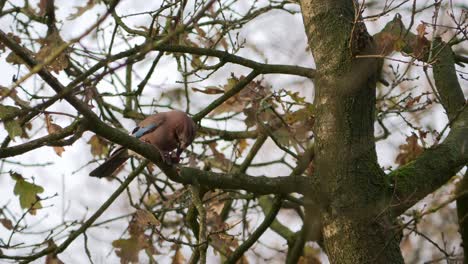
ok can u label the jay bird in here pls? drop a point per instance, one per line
(166, 131)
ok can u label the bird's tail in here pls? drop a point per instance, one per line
(112, 164)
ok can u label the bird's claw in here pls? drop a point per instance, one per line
(170, 158)
(175, 158)
(166, 158)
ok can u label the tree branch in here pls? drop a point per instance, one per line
(86, 224)
(40, 142)
(261, 68)
(234, 90)
(262, 185)
(269, 218)
(462, 211)
(228, 135)
(446, 80)
(435, 166)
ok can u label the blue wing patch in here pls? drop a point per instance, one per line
(140, 131)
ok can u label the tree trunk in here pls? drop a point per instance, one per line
(356, 228)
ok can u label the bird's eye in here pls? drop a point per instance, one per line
(135, 130)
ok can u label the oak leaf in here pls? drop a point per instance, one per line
(27, 192)
(80, 10)
(128, 249)
(99, 146)
(242, 144)
(12, 126)
(409, 151)
(49, 45)
(54, 128)
(145, 218)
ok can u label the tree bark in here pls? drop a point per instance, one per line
(353, 188)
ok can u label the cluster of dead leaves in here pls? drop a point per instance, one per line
(420, 44)
(409, 151)
(49, 45)
(295, 127)
(291, 127)
(52, 41)
(393, 38)
(254, 91)
(256, 102)
(219, 239)
(219, 160)
(211, 40)
(128, 249)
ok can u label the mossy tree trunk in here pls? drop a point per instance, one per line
(353, 187)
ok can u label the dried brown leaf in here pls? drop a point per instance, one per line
(89, 94)
(49, 45)
(219, 157)
(6, 223)
(143, 218)
(128, 249)
(242, 145)
(215, 206)
(52, 258)
(54, 128)
(152, 200)
(421, 29)
(409, 151)
(99, 146)
(386, 42)
(200, 31)
(14, 59)
(178, 257)
(42, 7)
(59, 150)
(13, 127)
(413, 101)
(13, 94)
(80, 10)
(196, 62)
(251, 93)
(176, 197)
(223, 243)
